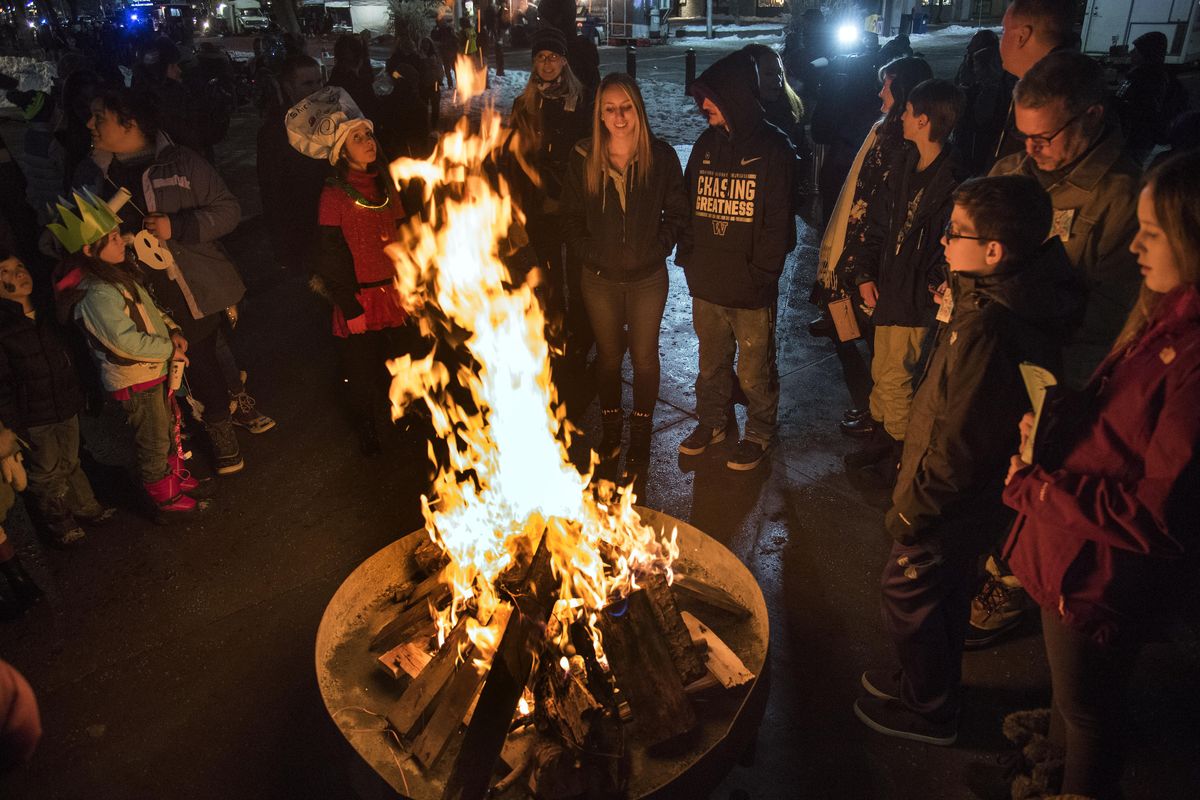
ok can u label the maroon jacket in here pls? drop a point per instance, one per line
(1111, 537)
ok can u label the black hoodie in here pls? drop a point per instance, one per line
(739, 185)
(963, 425)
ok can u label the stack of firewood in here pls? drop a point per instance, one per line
(571, 740)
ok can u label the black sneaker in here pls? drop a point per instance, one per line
(226, 452)
(747, 455)
(891, 718)
(882, 683)
(700, 439)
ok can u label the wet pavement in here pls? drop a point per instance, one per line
(178, 662)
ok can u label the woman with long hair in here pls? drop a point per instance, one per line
(624, 206)
(847, 225)
(548, 118)
(1107, 541)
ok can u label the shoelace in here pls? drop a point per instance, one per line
(993, 595)
(245, 404)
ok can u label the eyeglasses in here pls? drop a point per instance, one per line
(547, 57)
(950, 235)
(1041, 141)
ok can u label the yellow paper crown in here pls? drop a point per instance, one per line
(89, 222)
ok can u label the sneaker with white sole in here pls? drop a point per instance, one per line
(747, 455)
(245, 415)
(882, 683)
(700, 439)
(891, 718)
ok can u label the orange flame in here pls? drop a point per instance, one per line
(511, 435)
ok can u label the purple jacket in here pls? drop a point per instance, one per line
(1111, 537)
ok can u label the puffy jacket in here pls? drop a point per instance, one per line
(1110, 539)
(963, 425)
(129, 336)
(630, 242)
(740, 198)
(903, 276)
(38, 383)
(1095, 214)
(185, 187)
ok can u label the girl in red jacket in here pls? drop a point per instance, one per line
(1107, 537)
(358, 215)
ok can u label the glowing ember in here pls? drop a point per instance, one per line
(510, 435)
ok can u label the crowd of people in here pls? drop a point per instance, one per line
(977, 230)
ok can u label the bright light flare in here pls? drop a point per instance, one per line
(848, 34)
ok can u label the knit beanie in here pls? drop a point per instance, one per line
(1153, 46)
(546, 38)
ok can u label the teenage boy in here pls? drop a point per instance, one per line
(899, 263)
(739, 182)
(1014, 299)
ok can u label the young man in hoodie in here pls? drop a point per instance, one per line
(739, 182)
(898, 264)
(1014, 300)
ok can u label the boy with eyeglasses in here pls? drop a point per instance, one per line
(1014, 300)
(897, 263)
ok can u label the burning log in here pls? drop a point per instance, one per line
(414, 615)
(722, 663)
(419, 695)
(687, 661)
(453, 704)
(696, 589)
(472, 772)
(643, 669)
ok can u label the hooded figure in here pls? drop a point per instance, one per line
(739, 180)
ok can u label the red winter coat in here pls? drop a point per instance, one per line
(1110, 539)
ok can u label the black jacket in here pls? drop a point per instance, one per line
(739, 185)
(634, 242)
(903, 277)
(962, 428)
(289, 184)
(38, 384)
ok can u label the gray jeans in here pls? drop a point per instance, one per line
(750, 334)
(54, 471)
(150, 417)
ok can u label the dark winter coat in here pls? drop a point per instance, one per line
(289, 184)
(38, 383)
(740, 198)
(963, 424)
(185, 187)
(630, 243)
(1095, 214)
(1110, 539)
(904, 276)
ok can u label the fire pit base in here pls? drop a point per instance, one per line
(352, 684)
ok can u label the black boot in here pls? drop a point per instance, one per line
(882, 474)
(637, 460)
(23, 588)
(58, 526)
(612, 422)
(877, 447)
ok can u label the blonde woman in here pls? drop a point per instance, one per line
(624, 206)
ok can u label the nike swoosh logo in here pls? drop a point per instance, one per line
(746, 161)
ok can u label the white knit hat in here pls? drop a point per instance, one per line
(319, 124)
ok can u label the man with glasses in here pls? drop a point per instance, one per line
(1076, 153)
(1014, 297)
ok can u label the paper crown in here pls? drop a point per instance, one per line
(87, 223)
(319, 125)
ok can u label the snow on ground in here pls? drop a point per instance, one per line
(699, 29)
(31, 73)
(673, 116)
(729, 42)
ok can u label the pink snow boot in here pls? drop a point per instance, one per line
(169, 499)
(189, 484)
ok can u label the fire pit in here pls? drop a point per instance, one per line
(714, 587)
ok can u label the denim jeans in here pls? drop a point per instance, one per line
(750, 334)
(151, 419)
(54, 471)
(611, 307)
